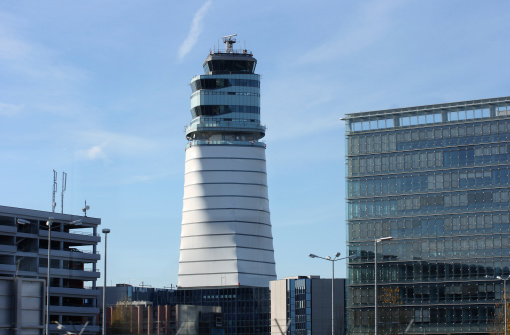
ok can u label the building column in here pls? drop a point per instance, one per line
(150, 320)
(108, 318)
(161, 321)
(168, 318)
(134, 316)
(139, 318)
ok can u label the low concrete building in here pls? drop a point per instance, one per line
(301, 305)
(24, 244)
(127, 292)
(140, 317)
(245, 310)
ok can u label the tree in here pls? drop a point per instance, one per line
(391, 316)
(121, 318)
(497, 323)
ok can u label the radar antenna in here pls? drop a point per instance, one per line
(229, 42)
(86, 208)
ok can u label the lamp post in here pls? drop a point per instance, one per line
(105, 232)
(377, 240)
(48, 223)
(504, 296)
(332, 260)
(21, 223)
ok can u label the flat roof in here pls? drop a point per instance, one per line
(425, 108)
(38, 215)
(427, 115)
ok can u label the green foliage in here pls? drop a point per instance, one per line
(497, 324)
(121, 319)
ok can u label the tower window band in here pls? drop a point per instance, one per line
(223, 109)
(212, 84)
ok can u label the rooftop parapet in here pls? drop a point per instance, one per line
(238, 143)
(428, 114)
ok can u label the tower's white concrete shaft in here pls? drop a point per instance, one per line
(226, 237)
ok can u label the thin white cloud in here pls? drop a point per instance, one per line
(104, 145)
(93, 153)
(196, 29)
(9, 109)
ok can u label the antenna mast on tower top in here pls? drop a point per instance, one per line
(54, 203)
(64, 187)
(229, 42)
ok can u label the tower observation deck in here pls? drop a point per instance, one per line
(226, 237)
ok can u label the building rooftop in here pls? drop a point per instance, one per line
(428, 114)
(415, 109)
(37, 214)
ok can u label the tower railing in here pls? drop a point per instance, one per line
(226, 125)
(232, 51)
(224, 142)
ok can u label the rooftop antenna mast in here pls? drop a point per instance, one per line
(64, 187)
(86, 208)
(229, 42)
(54, 203)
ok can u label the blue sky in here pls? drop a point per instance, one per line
(101, 90)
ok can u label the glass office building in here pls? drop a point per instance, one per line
(245, 310)
(436, 179)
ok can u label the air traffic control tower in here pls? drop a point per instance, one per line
(226, 237)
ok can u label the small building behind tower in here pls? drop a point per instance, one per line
(302, 305)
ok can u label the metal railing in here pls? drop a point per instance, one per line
(225, 142)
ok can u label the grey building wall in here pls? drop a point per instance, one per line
(301, 305)
(22, 302)
(321, 306)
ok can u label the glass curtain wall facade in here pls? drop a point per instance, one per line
(245, 309)
(436, 179)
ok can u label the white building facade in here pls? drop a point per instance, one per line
(226, 237)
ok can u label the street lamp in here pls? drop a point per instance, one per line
(105, 232)
(504, 293)
(23, 221)
(377, 240)
(48, 223)
(332, 260)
